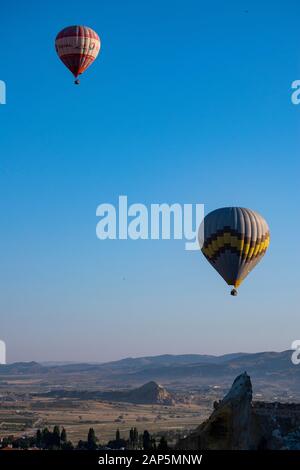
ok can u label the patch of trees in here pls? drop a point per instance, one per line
(54, 440)
(43, 439)
(57, 440)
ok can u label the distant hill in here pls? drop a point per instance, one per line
(274, 368)
(22, 368)
(149, 393)
(167, 360)
(270, 367)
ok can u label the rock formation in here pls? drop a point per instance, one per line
(238, 423)
(149, 393)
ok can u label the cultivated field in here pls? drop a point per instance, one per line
(26, 415)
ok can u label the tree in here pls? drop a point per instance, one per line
(46, 438)
(6, 441)
(146, 440)
(67, 445)
(135, 436)
(153, 443)
(163, 444)
(92, 440)
(63, 435)
(131, 436)
(81, 445)
(56, 437)
(21, 443)
(38, 438)
(118, 435)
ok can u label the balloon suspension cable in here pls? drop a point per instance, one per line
(234, 292)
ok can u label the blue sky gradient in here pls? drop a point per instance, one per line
(188, 102)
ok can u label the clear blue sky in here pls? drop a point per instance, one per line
(188, 102)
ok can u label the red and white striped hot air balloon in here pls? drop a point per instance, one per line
(77, 47)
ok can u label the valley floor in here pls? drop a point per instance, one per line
(77, 416)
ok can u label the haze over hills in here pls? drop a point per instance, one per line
(164, 365)
(135, 362)
(273, 368)
(260, 360)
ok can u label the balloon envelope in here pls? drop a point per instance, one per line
(235, 240)
(77, 47)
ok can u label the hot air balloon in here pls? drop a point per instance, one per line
(77, 47)
(234, 240)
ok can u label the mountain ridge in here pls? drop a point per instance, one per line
(144, 360)
(268, 366)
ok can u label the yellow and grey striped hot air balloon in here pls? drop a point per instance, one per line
(234, 240)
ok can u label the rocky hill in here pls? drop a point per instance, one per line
(149, 393)
(237, 423)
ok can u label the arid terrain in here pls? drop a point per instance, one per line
(125, 394)
(24, 417)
